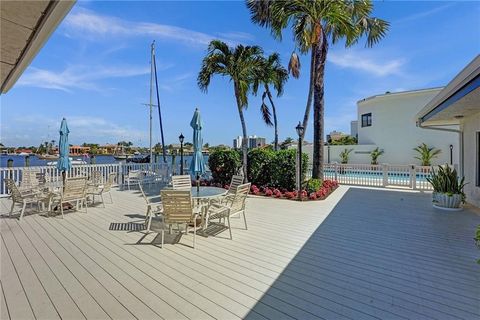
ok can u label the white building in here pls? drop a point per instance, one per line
(457, 107)
(388, 121)
(354, 128)
(252, 142)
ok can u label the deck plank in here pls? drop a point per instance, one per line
(360, 254)
(4, 314)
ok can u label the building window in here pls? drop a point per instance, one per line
(367, 120)
(478, 160)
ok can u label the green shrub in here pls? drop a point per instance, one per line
(446, 180)
(259, 166)
(223, 164)
(283, 169)
(313, 185)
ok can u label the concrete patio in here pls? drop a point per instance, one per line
(360, 254)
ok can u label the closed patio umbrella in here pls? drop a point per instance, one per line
(64, 164)
(197, 166)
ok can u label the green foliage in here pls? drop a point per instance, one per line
(259, 166)
(313, 185)
(284, 168)
(344, 155)
(375, 154)
(426, 154)
(223, 164)
(446, 180)
(286, 143)
(343, 141)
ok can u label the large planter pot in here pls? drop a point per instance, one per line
(447, 201)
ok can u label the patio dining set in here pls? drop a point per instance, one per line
(53, 196)
(195, 208)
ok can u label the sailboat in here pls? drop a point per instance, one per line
(119, 153)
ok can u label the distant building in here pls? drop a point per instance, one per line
(354, 128)
(253, 142)
(79, 150)
(336, 135)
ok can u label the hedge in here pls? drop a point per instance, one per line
(223, 164)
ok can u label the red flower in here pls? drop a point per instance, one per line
(268, 192)
(313, 196)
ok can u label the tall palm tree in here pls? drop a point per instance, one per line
(315, 23)
(271, 73)
(242, 65)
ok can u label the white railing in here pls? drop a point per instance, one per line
(53, 174)
(381, 175)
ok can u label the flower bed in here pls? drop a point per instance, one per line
(327, 187)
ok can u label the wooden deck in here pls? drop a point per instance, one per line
(361, 254)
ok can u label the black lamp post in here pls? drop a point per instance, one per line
(300, 130)
(451, 154)
(181, 137)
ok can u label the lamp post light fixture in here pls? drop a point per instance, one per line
(181, 138)
(451, 154)
(300, 131)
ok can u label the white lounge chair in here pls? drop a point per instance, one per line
(101, 189)
(234, 183)
(74, 190)
(182, 182)
(154, 207)
(231, 206)
(178, 209)
(25, 197)
(133, 177)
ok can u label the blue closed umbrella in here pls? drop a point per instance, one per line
(197, 166)
(64, 163)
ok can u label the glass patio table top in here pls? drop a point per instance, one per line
(207, 192)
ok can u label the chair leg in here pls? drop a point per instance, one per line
(11, 208)
(103, 201)
(23, 210)
(194, 230)
(163, 236)
(61, 208)
(229, 228)
(86, 205)
(245, 220)
(110, 194)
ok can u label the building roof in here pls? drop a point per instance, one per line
(400, 93)
(459, 99)
(25, 28)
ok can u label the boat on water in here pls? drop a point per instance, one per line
(119, 153)
(139, 159)
(47, 156)
(73, 161)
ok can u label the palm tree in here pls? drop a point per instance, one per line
(242, 65)
(271, 73)
(426, 154)
(315, 23)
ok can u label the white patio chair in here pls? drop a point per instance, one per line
(234, 183)
(133, 177)
(74, 190)
(233, 205)
(182, 182)
(178, 209)
(25, 198)
(100, 190)
(153, 207)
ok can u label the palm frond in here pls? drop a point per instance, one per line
(294, 65)
(266, 114)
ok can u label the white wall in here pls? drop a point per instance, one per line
(470, 128)
(360, 153)
(394, 128)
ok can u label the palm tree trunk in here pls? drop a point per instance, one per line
(310, 90)
(319, 108)
(275, 123)
(244, 131)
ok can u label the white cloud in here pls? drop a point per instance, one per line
(368, 64)
(86, 23)
(38, 128)
(77, 77)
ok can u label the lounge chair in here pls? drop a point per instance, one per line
(234, 183)
(178, 209)
(25, 197)
(133, 177)
(182, 182)
(231, 206)
(100, 190)
(74, 190)
(153, 207)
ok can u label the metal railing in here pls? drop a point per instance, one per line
(380, 175)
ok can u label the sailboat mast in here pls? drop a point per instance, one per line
(158, 103)
(151, 96)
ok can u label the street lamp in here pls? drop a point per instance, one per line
(300, 131)
(181, 137)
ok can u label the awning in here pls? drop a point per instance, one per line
(25, 27)
(458, 100)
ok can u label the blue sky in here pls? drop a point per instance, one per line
(94, 70)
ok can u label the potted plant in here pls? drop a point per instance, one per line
(426, 154)
(344, 155)
(447, 188)
(374, 155)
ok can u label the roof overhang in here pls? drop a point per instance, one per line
(25, 28)
(458, 100)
